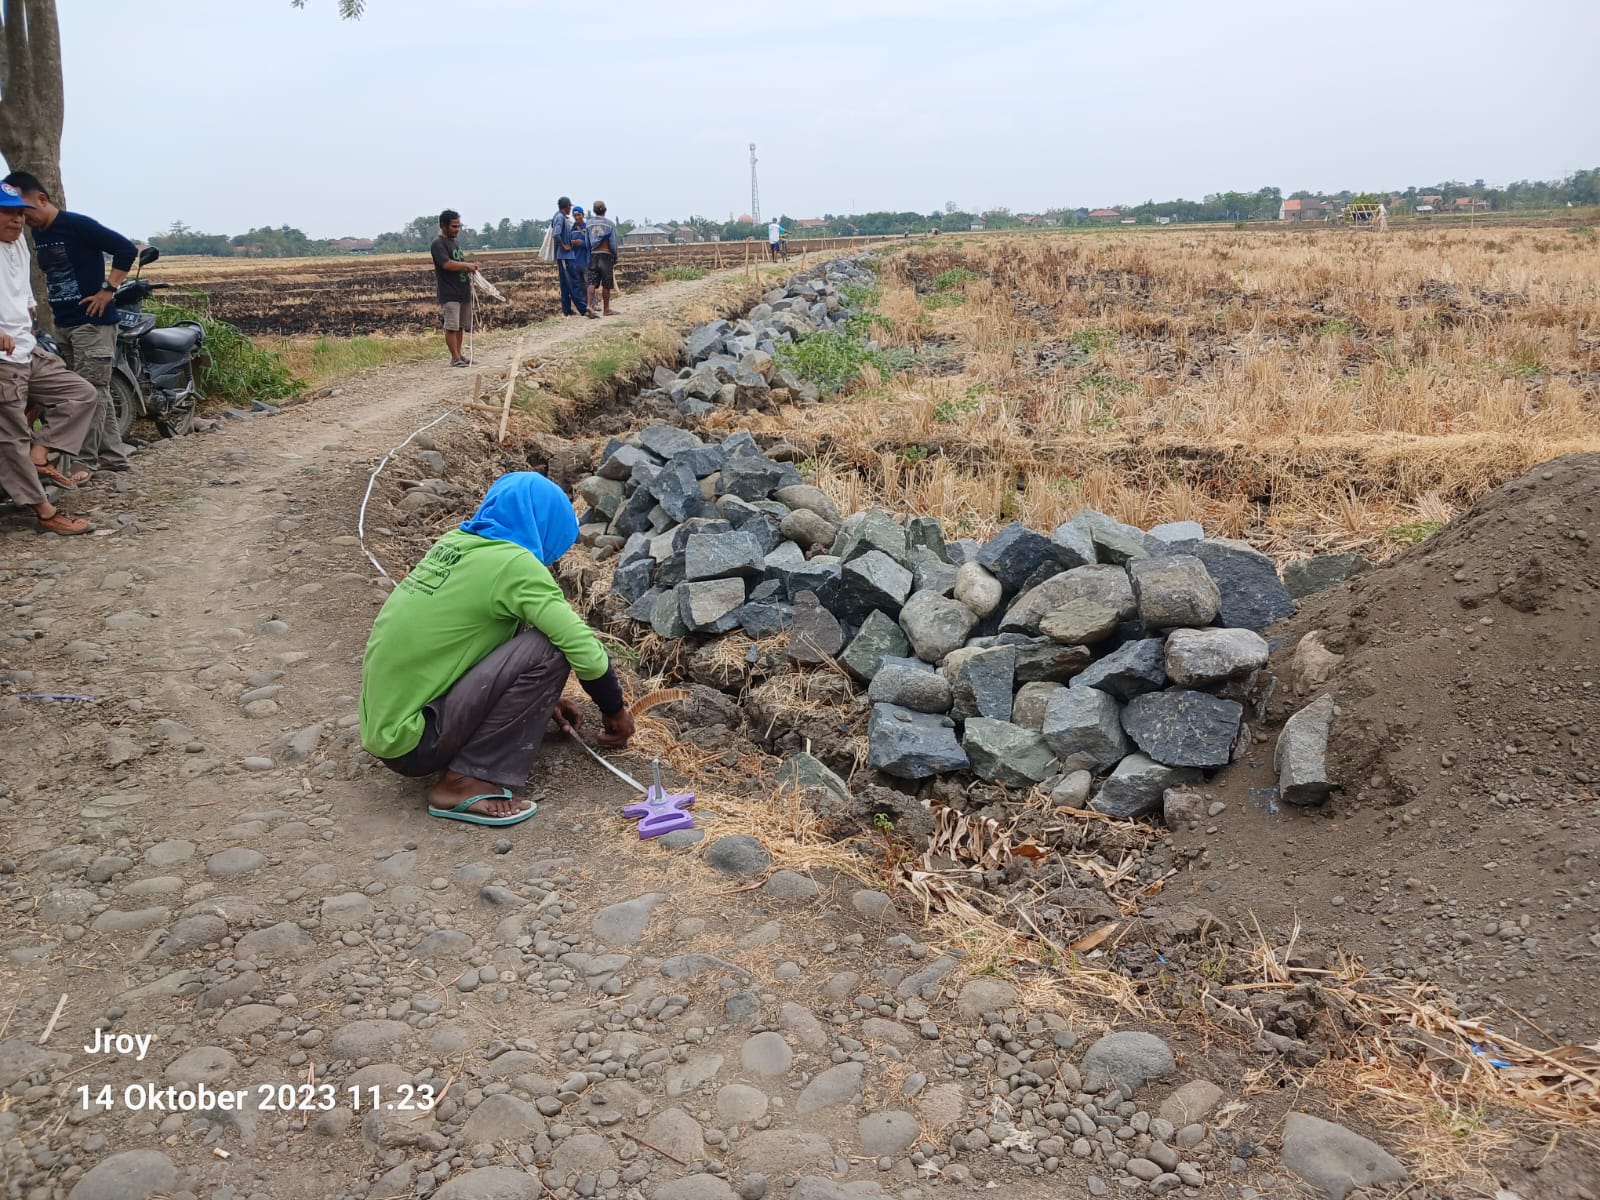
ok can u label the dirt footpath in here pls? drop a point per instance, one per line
(265, 972)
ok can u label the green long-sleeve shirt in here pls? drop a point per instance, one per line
(463, 600)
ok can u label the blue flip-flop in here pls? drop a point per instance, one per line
(460, 813)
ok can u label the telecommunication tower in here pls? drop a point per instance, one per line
(755, 191)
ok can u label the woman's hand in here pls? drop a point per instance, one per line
(618, 730)
(568, 717)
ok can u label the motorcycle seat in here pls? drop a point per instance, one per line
(178, 339)
(134, 329)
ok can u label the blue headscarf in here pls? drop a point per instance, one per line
(526, 508)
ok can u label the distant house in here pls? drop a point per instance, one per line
(353, 245)
(247, 251)
(1305, 210)
(1423, 208)
(1470, 204)
(1105, 214)
(1130, 220)
(1163, 220)
(646, 235)
(684, 233)
(1433, 202)
(979, 225)
(811, 223)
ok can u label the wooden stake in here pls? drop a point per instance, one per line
(477, 386)
(511, 387)
(54, 1017)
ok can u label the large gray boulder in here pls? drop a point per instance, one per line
(1031, 701)
(878, 637)
(1198, 657)
(1253, 597)
(1114, 542)
(1301, 756)
(910, 745)
(723, 556)
(666, 441)
(917, 687)
(1074, 546)
(1007, 754)
(1334, 1159)
(875, 530)
(1042, 660)
(928, 534)
(712, 605)
(1174, 590)
(806, 497)
(678, 491)
(808, 528)
(1128, 671)
(666, 619)
(1305, 576)
(762, 520)
(1178, 537)
(705, 340)
(1102, 583)
(1137, 785)
(934, 625)
(931, 574)
(981, 680)
(1083, 621)
(1083, 727)
(978, 589)
(821, 576)
(1015, 553)
(872, 581)
(814, 633)
(1183, 728)
(619, 464)
(1127, 1060)
(751, 477)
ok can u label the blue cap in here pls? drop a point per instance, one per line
(11, 198)
(576, 211)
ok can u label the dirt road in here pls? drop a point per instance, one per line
(200, 866)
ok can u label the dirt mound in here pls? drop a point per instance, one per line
(1463, 846)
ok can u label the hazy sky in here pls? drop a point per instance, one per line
(227, 114)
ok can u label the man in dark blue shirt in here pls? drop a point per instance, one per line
(72, 250)
(574, 288)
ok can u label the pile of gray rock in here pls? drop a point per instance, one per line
(734, 363)
(1109, 662)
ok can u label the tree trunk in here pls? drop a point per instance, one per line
(31, 101)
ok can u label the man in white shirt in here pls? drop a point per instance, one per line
(31, 377)
(774, 240)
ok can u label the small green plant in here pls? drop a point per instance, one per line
(1338, 327)
(883, 822)
(954, 279)
(830, 359)
(1099, 381)
(913, 454)
(1525, 364)
(943, 300)
(1417, 531)
(860, 295)
(1091, 341)
(232, 367)
(681, 273)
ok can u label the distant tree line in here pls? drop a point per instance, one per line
(1580, 189)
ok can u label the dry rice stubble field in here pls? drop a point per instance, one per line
(1310, 390)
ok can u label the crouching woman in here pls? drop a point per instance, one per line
(469, 654)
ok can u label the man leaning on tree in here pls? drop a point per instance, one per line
(72, 251)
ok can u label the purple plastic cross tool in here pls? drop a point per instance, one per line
(661, 812)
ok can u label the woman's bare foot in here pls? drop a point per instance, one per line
(454, 787)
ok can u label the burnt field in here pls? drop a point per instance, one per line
(394, 293)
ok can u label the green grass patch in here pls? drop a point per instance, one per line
(1338, 327)
(860, 295)
(954, 279)
(320, 361)
(681, 273)
(832, 359)
(1417, 531)
(1091, 341)
(232, 368)
(943, 300)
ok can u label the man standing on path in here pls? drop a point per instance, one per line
(29, 375)
(453, 275)
(580, 259)
(72, 250)
(774, 239)
(603, 240)
(574, 291)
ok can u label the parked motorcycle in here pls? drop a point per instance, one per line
(153, 373)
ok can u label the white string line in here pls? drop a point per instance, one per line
(361, 517)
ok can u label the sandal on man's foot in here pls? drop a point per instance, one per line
(59, 522)
(49, 474)
(460, 813)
